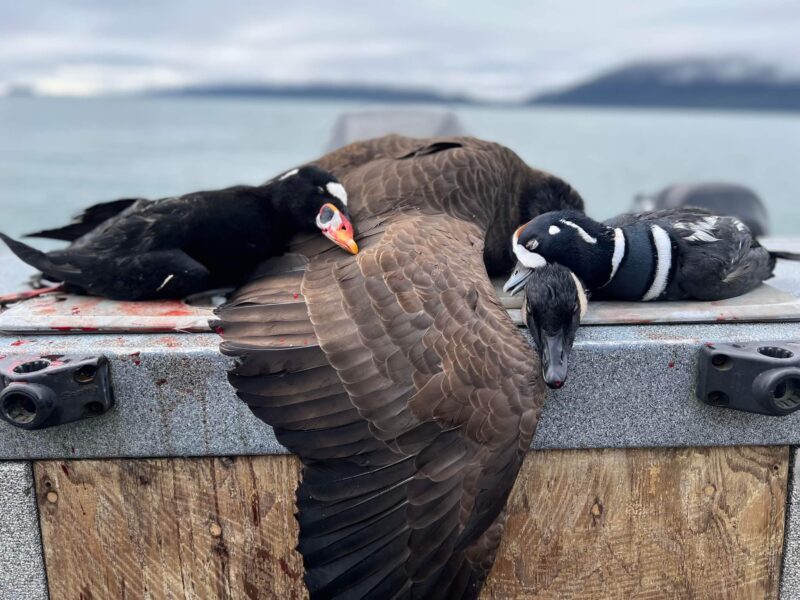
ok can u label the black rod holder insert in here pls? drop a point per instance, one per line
(43, 391)
(758, 377)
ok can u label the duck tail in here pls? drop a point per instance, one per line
(32, 256)
(85, 222)
(785, 255)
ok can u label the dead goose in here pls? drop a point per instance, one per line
(142, 249)
(396, 375)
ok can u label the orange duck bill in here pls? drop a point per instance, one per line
(337, 228)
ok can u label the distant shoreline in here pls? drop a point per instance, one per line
(696, 84)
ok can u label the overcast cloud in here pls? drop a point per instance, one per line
(487, 49)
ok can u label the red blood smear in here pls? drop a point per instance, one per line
(135, 357)
(671, 364)
(295, 296)
(219, 330)
(176, 313)
(18, 343)
(161, 381)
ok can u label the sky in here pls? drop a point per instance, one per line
(490, 50)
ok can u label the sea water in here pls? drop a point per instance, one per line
(58, 155)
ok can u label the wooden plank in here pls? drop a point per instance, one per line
(645, 524)
(170, 528)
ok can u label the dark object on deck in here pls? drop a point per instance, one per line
(173, 247)
(758, 377)
(720, 198)
(421, 122)
(44, 391)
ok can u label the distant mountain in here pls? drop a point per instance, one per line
(365, 93)
(698, 83)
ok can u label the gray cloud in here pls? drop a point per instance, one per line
(508, 49)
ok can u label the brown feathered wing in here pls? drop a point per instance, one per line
(407, 392)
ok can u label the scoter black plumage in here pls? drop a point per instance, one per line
(135, 249)
(684, 253)
(396, 375)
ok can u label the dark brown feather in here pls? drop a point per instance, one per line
(414, 400)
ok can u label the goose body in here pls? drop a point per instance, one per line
(685, 253)
(137, 249)
(396, 375)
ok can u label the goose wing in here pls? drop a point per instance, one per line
(407, 392)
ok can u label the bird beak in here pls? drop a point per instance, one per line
(517, 280)
(554, 360)
(339, 230)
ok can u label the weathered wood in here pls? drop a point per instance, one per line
(178, 528)
(643, 524)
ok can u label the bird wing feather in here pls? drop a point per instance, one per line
(411, 406)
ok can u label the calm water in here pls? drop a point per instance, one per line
(57, 155)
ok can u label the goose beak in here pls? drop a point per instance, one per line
(517, 280)
(337, 228)
(554, 360)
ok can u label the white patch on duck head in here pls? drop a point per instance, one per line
(554, 230)
(337, 191)
(528, 258)
(524, 255)
(288, 174)
(583, 302)
(581, 232)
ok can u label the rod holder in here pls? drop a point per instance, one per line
(44, 391)
(758, 377)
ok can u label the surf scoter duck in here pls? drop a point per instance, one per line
(137, 249)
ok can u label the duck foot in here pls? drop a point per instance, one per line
(20, 296)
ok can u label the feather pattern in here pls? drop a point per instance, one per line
(395, 374)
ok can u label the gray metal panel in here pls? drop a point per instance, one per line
(790, 578)
(628, 386)
(22, 572)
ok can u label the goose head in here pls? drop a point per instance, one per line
(314, 198)
(552, 308)
(566, 237)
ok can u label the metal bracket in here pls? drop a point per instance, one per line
(44, 391)
(759, 377)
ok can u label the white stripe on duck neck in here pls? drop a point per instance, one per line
(619, 254)
(581, 231)
(663, 263)
(582, 300)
